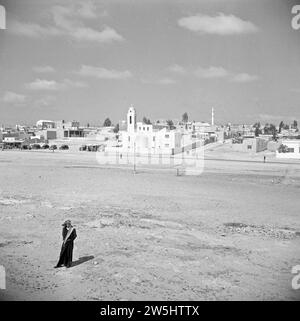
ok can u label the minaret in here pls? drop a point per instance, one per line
(212, 117)
(131, 120)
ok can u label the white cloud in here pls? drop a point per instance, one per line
(105, 36)
(161, 81)
(244, 77)
(177, 69)
(222, 73)
(86, 9)
(32, 30)
(220, 24)
(13, 98)
(43, 84)
(211, 72)
(42, 69)
(52, 85)
(103, 73)
(67, 83)
(68, 21)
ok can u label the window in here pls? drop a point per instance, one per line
(154, 138)
(167, 145)
(130, 119)
(148, 128)
(129, 138)
(290, 150)
(167, 136)
(140, 128)
(143, 128)
(249, 146)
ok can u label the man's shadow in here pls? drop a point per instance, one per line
(82, 260)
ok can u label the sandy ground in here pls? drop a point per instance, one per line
(232, 233)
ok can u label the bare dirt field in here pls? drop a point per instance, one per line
(232, 233)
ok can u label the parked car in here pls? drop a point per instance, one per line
(82, 148)
(64, 147)
(36, 146)
(53, 147)
(26, 147)
(92, 148)
(45, 146)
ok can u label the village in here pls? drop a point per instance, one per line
(162, 137)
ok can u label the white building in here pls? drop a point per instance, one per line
(289, 149)
(43, 124)
(144, 138)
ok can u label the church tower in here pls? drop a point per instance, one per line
(131, 120)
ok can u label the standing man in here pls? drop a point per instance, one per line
(66, 253)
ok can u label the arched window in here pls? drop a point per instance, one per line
(130, 120)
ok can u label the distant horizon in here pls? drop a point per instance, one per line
(100, 123)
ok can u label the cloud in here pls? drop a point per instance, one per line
(177, 69)
(222, 73)
(68, 22)
(244, 77)
(13, 98)
(161, 81)
(220, 24)
(44, 101)
(52, 85)
(103, 73)
(105, 36)
(211, 72)
(32, 30)
(44, 69)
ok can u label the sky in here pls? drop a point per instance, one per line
(87, 60)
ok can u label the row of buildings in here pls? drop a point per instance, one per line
(157, 138)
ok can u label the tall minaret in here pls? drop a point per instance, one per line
(131, 120)
(212, 117)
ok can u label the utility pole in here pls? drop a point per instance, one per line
(134, 165)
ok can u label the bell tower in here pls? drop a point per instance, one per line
(131, 120)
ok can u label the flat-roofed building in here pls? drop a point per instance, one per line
(289, 149)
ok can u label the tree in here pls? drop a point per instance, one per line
(283, 149)
(170, 124)
(281, 125)
(117, 128)
(146, 121)
(257, 129)
(295, 124)
(185, 117)
(270, 129)
(107, 122)
(286, 126)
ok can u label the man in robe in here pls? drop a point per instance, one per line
(66, 253)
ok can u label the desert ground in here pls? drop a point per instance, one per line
(231, 233)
